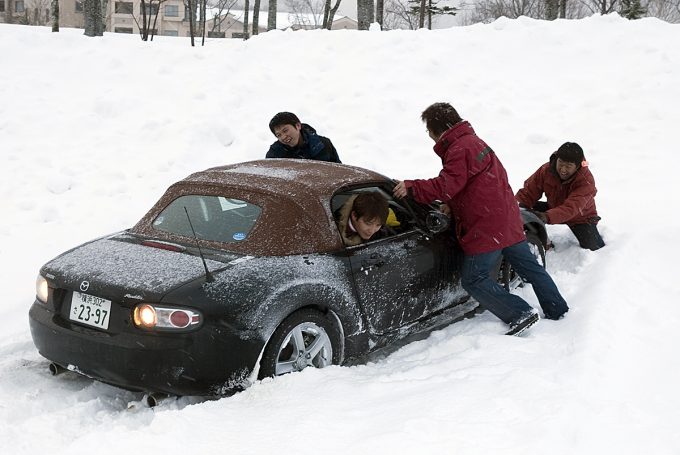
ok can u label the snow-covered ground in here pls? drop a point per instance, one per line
(92, 131)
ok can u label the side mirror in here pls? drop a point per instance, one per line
(437, 222)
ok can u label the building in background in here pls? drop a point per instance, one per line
(172, 19)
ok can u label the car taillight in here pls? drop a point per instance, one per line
(150, 316)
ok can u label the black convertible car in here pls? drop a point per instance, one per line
(239, 273)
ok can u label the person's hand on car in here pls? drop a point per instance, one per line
(400, 191)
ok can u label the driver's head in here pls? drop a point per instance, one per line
(369, 213)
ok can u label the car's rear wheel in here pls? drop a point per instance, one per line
(507, 275)
(306, 338)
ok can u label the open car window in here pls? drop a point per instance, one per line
(214, 218)
(399, 220)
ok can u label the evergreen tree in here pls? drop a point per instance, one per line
(632, 9)
(428, 8)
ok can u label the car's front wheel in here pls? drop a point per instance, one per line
(306, 338)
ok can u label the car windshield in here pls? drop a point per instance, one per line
(214, 218)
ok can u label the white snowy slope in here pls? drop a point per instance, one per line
(92, 131)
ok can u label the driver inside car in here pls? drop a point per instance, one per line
(361, 217)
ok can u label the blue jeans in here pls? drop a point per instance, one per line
(510, 308)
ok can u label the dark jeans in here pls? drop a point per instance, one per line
(510, 308)
(587, 234)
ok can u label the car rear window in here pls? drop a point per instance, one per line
(214, 218)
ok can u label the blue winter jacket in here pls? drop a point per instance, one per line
(311, 147)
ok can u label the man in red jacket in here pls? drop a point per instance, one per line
(474, 185)
(570, 190)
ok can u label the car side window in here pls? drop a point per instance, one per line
(214, 218)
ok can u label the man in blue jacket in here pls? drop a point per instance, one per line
(299, 140)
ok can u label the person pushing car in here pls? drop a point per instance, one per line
(570, 191)
(474, 185)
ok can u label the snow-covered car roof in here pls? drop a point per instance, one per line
(294, 196)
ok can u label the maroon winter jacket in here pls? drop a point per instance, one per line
(475, 186)
(570, 202)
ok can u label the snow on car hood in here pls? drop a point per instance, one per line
(115, 268)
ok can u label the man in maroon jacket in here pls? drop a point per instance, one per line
(570, 190)
(474, 185)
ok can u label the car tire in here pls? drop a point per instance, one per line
(305, 338)
(508, 277)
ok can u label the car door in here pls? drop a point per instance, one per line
(406, 275)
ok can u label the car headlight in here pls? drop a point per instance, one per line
(41, 289)
(148, 316)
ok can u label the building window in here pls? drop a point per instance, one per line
(151, 9)
(123, 8)
(171, 33)
(79, 6)
(171, 11)
(19, 6)
(123, 30)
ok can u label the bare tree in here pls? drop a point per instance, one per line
(147, 18)
(55, 15)
(271, 19)
(364, 14)
(246, 7)
(329, 13)
(256, 16)
(94, 20)
(667, 10)
(399, 14)
(601, 6)
(307, 14)
(37, 12)
(221, 9)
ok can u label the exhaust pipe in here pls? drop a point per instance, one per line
(56, 369)
(154, 399)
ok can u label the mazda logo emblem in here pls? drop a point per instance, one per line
(84, 286)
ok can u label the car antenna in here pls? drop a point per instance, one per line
(208, 276)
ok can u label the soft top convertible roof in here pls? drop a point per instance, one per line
(294, 196)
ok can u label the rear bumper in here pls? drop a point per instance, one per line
(214, 360)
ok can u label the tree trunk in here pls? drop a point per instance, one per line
(192, 12)
(105, 4)
(256, 16)
(93, 17)
(551, 9)
(379, 11)
(246, 7)
(55, 15)
(364, 8)
(9, 7)
(271, 20)
(331, 15)
(563, 9)
(421, 14)
(326, 12)
(204, 14)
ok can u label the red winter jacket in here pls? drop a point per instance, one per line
(570, 202)
(475, 186)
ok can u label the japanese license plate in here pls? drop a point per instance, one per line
(90, 310)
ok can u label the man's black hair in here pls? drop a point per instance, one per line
(570, 152)
(439, 117)
(283, 118)
(371, 205)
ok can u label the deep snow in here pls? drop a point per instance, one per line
(92, 131)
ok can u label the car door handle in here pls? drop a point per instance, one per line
(375, 261)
